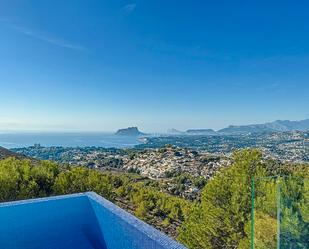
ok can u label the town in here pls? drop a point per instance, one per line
(180, 170)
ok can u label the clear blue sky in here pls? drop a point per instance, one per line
(101, 65)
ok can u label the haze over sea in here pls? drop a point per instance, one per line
(81, 139)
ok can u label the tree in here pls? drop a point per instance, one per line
(20, 179)
(79, 179)
(220, 220)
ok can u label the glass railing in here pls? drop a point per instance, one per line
(280, 217)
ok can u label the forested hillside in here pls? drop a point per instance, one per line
(4, 153)
(21, 179)
(221, 219)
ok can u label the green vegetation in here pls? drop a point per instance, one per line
(223, 218)
(181, 181)
(220, 219)
(20, 179)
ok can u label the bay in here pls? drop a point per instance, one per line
(83, 139)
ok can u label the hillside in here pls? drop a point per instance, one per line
(276, 126)
(5, 153)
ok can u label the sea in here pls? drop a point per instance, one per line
(107, 140)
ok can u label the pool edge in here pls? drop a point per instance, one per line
(163, 240)
(153, 233)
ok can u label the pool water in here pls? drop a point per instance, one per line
(79, 221)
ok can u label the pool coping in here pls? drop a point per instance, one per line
(149, 231)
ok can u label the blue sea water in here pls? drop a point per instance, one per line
(107, 140)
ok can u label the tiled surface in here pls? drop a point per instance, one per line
(161, 239)
(116, 228)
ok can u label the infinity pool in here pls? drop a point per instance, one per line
(78, 221)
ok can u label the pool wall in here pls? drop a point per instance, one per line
(84, 220)
(137, 232)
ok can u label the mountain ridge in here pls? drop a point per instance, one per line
(275, 126)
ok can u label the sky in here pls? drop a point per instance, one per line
(100, 65)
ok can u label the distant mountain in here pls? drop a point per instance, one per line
(206, 132)
(5, 153)
(174, 132)
(130, 131)
(302, 125)
(276, 126)
(244, 129)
